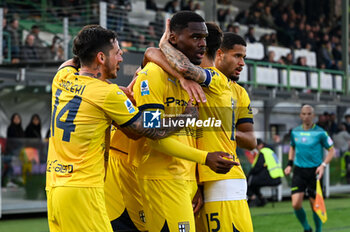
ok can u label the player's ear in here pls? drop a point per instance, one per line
(101, 58)
(173, 38)
(219, 55)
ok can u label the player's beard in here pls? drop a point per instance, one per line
(234, 78)
(109, 70)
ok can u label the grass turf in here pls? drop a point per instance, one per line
(265, 219)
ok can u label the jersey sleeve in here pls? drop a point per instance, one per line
(326, 140)
(213, 81)
(244, 112)
(119, 108)
(177, 149)
(149, 88)
(292, 141)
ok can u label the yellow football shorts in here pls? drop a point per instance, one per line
(122, 192)
(168, 204)
(224, 216)
(77, 209)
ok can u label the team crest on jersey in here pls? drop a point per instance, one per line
(129, 106)
(144, 88)
(184, 226)
(142, 216)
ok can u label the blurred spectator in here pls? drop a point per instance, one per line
(254, 18)
(270, 57)
(13, 147)
(265, 39)
(221, 16)
(347, 122)
(151, 5)
(141, 43)
(342, 139)
(35, 30)
(273, 39)
(297, 44)
(187, 6)
(29, 53)
(33, 129)
(301, 61)
(326, 56)
(13, 29)
(233, 28)
(242, 17)
(171, 6)
(56, 49)
(249, 36)
(288, 60)
(322, 122)
(15, 129)
(151, 34)
(267, 19)
(332, 124)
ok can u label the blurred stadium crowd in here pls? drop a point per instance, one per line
(309, 25)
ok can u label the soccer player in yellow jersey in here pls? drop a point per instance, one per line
(84, 104)
(168, 184)
(225, 206)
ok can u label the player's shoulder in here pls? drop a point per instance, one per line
(318, 128)
(297, 129)
(65, 72)
(151, 67)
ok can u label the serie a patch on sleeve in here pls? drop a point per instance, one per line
(129, 106)
(144, 88)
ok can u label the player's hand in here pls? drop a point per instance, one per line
(197, 201)
(319, 171)
(217, 162)
(193, 89)
(288, 170)
(128, 93)
(191, 110)
(166, 34)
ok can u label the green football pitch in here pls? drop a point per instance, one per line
(277, 218)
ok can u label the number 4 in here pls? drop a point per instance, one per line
(67, 126)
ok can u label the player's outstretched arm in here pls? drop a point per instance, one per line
(193, 89)
(136, 129)
(179, 61)
(215, 160)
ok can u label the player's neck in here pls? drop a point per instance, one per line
(206, 62)
(94, 71)
(307, 126)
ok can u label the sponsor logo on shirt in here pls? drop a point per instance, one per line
(144, 88)
(129, 106)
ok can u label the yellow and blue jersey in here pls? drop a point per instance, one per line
(308, 145)
(155, 90)
(228, 102)
(82, 109)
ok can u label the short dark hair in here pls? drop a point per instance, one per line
(214, 39)
(181, 19)
(92, 39)
(230, 40)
